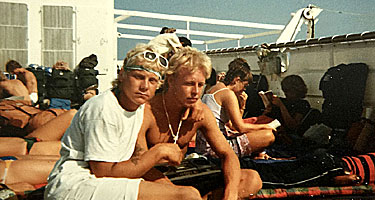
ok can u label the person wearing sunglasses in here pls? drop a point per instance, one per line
(104, 154)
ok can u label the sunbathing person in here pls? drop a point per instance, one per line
(26, 77)
(185, 80)
(13, 89)
(45, 140)
(102, 154)
(224, 100)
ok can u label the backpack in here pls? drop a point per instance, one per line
(60, 84)
(86, 74)
(343, 87)
(86, 77)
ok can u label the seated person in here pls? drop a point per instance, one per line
(224, 99)
(26, 77)
(13, 89)
(184, 84)
(292, 112)
(291, 109)
(104, 153)
(60, 86)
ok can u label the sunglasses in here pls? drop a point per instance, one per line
(152, 56)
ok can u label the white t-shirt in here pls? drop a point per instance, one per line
(100, 131)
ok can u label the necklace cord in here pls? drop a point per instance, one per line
(175, 136)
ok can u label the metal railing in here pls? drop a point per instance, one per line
(121, 15)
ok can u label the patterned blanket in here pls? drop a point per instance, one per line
(363, 190)
(361, 165)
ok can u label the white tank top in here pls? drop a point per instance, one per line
(218, 111)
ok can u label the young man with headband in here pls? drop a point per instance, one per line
(104, 153)
(185, 80)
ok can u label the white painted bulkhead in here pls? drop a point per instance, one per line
(93, 33)
(311, 62)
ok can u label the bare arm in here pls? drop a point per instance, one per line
(229, 101)
(28, 79)
(230, 163)
(289, 121)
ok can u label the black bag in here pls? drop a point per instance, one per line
(344, 82)
(86, 77)
(60, 84)
(313, 169)
(197, 172)
(343, 88)
(41, 74)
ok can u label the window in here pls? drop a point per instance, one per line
(13, 33)
(57, 35)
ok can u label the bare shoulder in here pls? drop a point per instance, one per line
(228, 96)
(148, 112)
(148, 117)
(208, 119)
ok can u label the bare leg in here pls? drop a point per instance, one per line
(27, 171)
(38, 157)
(10, 146)
(151, 190)
(54, 129)
(250, 183)
(46, 148)
(259, 140)
(20, 188)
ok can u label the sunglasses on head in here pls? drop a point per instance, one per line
(152, 56)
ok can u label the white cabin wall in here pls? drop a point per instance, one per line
(94, 33)
(220, 61)
(311, 62)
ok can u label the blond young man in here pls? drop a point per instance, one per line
(104, 153)
(185, 79)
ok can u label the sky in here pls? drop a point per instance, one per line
(337, 18)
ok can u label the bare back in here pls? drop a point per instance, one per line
(14, 87)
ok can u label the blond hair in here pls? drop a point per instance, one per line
(189, 58)
(133, 59)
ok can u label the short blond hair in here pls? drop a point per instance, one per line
(131, 60)
(191, 59)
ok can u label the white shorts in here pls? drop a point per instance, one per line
(99, 189)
